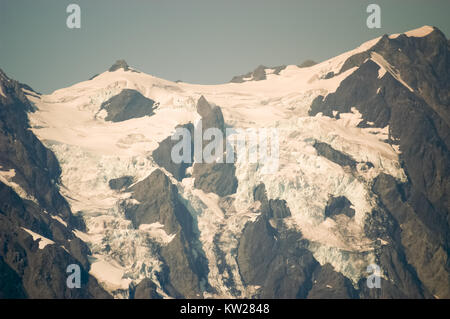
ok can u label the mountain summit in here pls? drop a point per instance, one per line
(119, 64)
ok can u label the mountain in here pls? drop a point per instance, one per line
(362, 178)
(37, 227)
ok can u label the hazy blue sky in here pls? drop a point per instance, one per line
(191, 40)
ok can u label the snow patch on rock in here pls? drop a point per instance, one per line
(43, 241)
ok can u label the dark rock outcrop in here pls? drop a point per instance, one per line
(146, 289)
(273, 257)
(277, 262)
(420, 244)
(162, 155)
(258, 74)
(329, 284)
(273, 208)
(219, 178)
(120, 182)
(307, 64)
(278, 69)
(211, 115)
(11, 285)
(325, 150)
(339, 205)
(36, 272)
(119, 64)
(354, 61)
(158, 202)
(36, 168)
(184, 263)
(128, 104)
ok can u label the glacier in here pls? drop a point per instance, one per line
(92, 151)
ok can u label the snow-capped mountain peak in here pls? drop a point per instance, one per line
(352, 182)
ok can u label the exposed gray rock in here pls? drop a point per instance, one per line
(419, 247)
(325, 150)
(339, 205)
(32, 272)
(355, 61)
(212, 116)
(258, 74)
(185, 270)
(274, 258)
(279, 209)
(120, 183)
(278, 69)
(128, 104)
(158, 202)
(24, 86)
(40, 273)
(329, 284)
(219, 178)
(10, 283)
(260, 194)
(162, 155)
(36, 168)
(307, 64)
(273, 208)
(184, 264)
(289, 275)
(277, 262)
(257, 248)
(119, 64)
(329, 75)
(146, 289)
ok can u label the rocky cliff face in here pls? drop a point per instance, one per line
(216, 177)
(36, 223)
(162, 155)
(277, 259)
(418, 117)
(126, 105)
(158, 202)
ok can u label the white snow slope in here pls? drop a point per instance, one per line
(92, 151)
